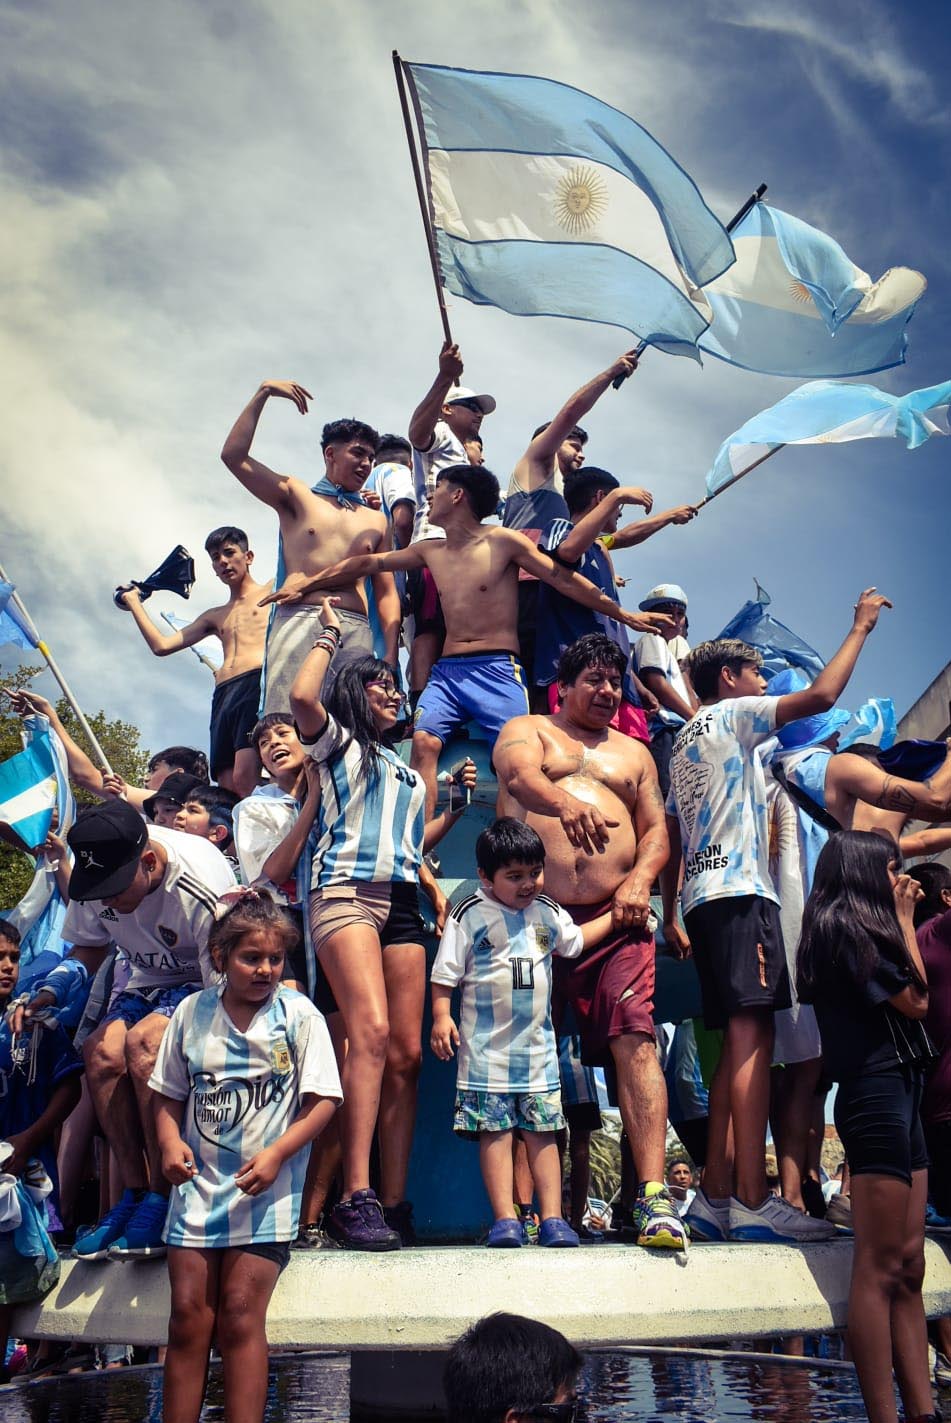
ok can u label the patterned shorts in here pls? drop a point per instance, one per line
(478, 1112)
(130, 1008)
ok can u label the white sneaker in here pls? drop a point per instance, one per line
(776, 1222)
(708, 1220)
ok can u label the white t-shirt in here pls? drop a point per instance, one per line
(653, 653)
(242, 1091)
(261, 821)
(444, 451)
(394, 484)
(166, 938)
(718, 793)
(502, 958)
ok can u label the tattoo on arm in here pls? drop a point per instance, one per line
(513, 741)
(894, 797)
(655, 795)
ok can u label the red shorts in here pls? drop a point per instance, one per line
(628, 719)
(610, 987)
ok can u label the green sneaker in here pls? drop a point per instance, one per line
(658, 1225)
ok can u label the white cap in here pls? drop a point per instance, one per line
(459, 392)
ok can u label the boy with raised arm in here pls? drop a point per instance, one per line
(319, 525)
(716, 810)
(475, 568)
(240, 625)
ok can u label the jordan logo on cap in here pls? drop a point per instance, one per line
(89, 860)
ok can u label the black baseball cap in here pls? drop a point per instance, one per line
(107, 842)
(175, 788)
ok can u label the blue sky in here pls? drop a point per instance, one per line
(197, 197)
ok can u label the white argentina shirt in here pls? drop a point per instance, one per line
(718, 793)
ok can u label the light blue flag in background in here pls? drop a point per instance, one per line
(795, 304)
(779, 645)
(548, 202)
(40, 913)
(828, 412)
(13, 630)
(28, 792)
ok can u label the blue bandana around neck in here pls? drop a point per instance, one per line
(344, 498)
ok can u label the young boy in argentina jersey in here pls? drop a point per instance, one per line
(497, 944)
(717, 813)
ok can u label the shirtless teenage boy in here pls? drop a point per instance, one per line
(240, 625)
(475, 569)
(319, 526)
(591, 793)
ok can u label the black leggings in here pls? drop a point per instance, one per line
(876, 1115)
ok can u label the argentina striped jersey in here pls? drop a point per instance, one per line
(369, 827)
(241, 1092)
(502, 959)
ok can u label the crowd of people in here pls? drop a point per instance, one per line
(239, 1011)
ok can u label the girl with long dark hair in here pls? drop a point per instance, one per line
(859, 964)
(365, 922)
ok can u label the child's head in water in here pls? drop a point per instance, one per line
(248, 944)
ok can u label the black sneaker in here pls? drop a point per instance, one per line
(400, 1219)
(358, 1224)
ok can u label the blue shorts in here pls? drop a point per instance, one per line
(478, 1112)
(485, 687)
(131, 1007)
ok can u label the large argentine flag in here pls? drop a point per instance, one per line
(827, 412)
(794, 304)
(547, 202)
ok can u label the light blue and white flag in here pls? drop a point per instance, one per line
(779, 646)
(207, 651)
(40, 913)
(795, 304)
(873, 724)
(548, 202)
(828, 412)
(14, 629)
(28, 792)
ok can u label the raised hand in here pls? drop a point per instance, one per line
(867, 609)
(624, 366)
(450, 361)
(288, 390)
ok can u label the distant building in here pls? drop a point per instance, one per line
(930, 718)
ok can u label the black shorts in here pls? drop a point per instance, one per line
(234, 711)
(424, 605)
(277, 1251)
(582, 1116)
(876, 1115)
(740, 957)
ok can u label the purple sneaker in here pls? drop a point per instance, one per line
(358, 1224)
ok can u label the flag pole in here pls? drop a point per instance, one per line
(421, 195)
(755, 465)
(51, 664)
(735, 221)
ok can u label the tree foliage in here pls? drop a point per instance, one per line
(119, 740)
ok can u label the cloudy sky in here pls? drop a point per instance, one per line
(196, 197)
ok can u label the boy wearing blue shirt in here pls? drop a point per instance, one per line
(497, 944)
(717, 813)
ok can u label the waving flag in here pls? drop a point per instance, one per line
(548, 202)
(40, 913)
(779, 645)
(28, 793)
(207, 651)
(827, 412)
(794, 304)
(14, 628)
